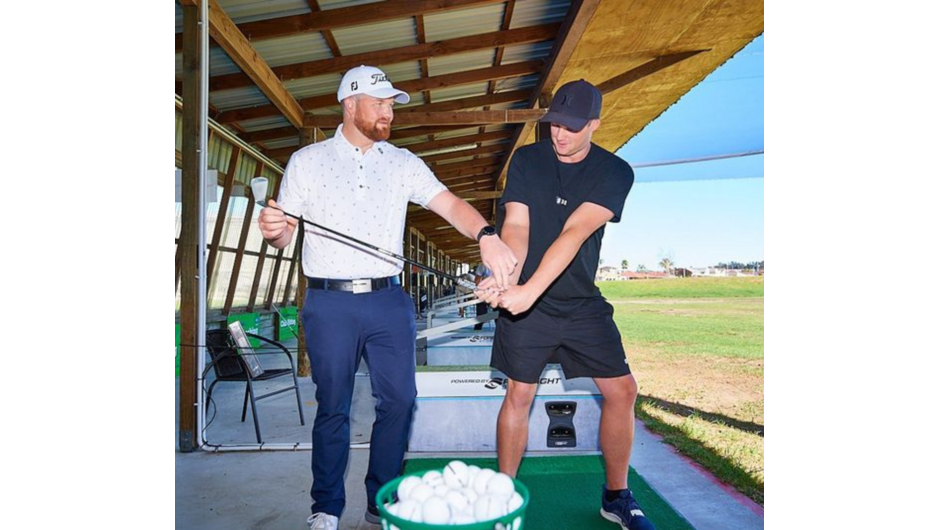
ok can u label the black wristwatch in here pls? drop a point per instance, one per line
(487, 230)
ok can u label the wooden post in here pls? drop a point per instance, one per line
(188, 244)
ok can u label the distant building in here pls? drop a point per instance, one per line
(714, 272)
(607, 274)
(647, 275)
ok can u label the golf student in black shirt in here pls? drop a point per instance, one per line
(559, 196)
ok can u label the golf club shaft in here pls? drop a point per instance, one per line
(463, 283)
(281, 316)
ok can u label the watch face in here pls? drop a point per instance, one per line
(486, 231)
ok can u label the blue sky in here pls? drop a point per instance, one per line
(706, 212)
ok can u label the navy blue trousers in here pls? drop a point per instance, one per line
(341, 328)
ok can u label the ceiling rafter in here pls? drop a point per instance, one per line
(321, 20)
(414, 52)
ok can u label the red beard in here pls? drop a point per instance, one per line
(373, 131)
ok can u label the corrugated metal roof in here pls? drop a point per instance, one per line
(241, 11)
(313, 86)
(534, 12)
(378, 36)
(219, 63)
(259, 124)
(417, 98)
(237, 98)
(277, 144)
(449, 64)
(294, 49)
(518, 53)
(334, 4)
(327, 111)
(398, 72)
(276, 52)
(463, 22)
(460, 91)
(516, 83)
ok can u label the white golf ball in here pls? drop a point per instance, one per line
(457, 475)
(473, 471)
(515, 502)
(457, 500)
(441, 491)
(405, 487)
(471, 494)
(481, 480)
(435, 511)
(489, 507)
(501, 485)
(433, 478)
(410, 510)
(421, 492)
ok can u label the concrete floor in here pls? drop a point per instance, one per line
(269, 489)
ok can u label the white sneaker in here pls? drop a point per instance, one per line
(322, 521)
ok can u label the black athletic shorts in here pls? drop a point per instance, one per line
(586, 343)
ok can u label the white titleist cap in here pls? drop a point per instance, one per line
(371, 81)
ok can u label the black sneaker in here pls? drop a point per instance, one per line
(625, 511)
(372, 515)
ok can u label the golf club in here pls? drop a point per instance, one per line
(259, 189)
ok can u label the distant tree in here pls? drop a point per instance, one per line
(624, 265)
(602, 261)
(641, 268)
(666, 264)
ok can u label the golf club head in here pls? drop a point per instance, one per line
(259, 189)
(466, 285)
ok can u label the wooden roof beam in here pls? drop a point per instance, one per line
(414, 52)
(645, 69)
(489, 150)
(470, 117)
(458, 141)
(223, 30)
(414, 85)
(343, 17)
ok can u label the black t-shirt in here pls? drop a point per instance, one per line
(553, 190)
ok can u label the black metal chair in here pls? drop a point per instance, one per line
(234, 363)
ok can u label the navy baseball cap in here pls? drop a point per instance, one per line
(574, 105)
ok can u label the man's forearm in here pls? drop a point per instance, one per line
(517, 239)
(465, 218)
(556, 260)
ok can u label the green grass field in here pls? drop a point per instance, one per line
(696, 346)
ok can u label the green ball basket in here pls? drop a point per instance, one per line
(388, 493)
